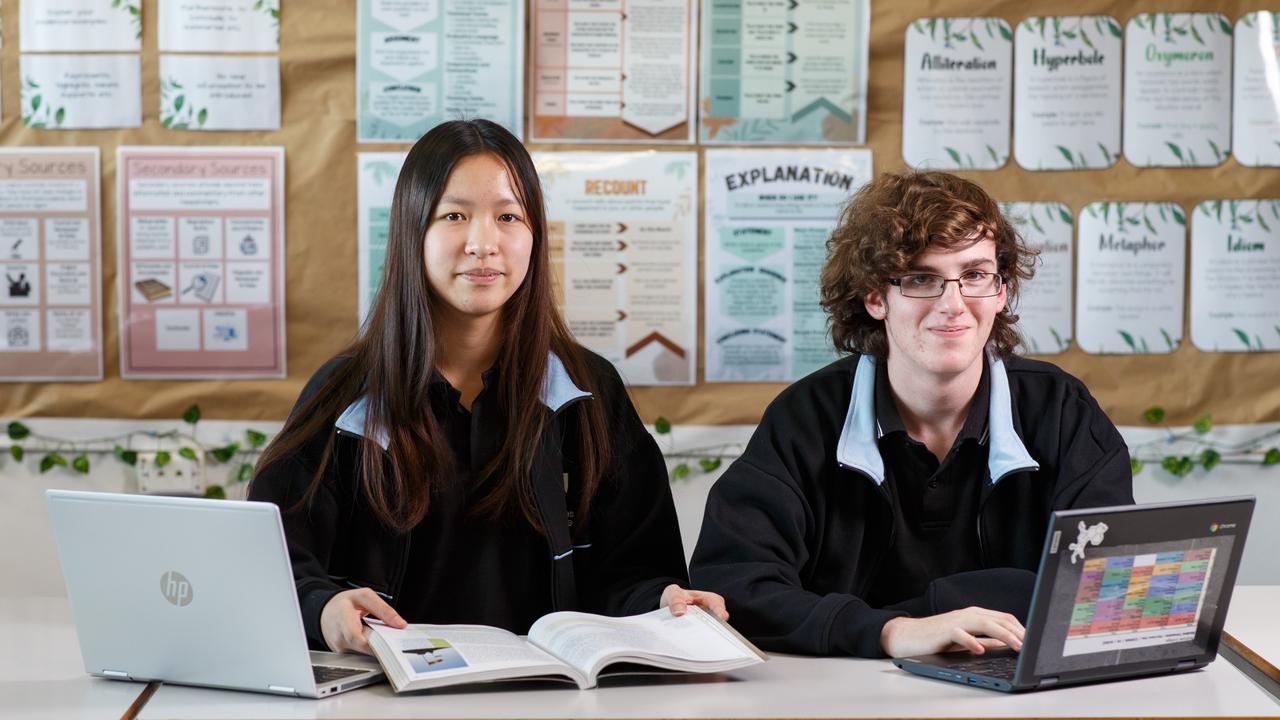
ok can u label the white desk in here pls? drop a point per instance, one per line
(1252, 632)
(784, 687)
(41, 673)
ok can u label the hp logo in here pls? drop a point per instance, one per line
(175, 588)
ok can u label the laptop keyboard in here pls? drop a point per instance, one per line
(329, 673)
(1001, 667)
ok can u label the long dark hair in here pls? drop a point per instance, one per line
(391, 362)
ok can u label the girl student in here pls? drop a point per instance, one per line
(464, 460)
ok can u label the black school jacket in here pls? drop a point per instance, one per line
(795, 530)
(618, 565)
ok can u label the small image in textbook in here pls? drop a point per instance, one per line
(432, 654)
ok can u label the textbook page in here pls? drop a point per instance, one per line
(694, 642)
(426, 656)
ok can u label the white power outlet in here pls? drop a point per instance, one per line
(179, 476)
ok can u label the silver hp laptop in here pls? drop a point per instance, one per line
(1122, 592)
(190, 591)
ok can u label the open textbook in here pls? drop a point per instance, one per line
(577, 646)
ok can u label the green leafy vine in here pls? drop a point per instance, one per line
(55, 451)
(1202, 451)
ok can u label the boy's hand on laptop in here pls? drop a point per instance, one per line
(341, 620)
(679, 600)
(974, 629)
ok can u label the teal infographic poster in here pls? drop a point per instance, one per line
(768, 216)
(1235, 275)
(421, 62)
(375, 185)
(784, 72)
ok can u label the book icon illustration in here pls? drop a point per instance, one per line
(153, 289)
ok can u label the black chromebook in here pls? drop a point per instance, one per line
(1122, 592)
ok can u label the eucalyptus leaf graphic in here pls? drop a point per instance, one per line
(954, 156)
(1005, 33)
(1218, 154)
(1128, 340)
(1243, 336)
(1177, 152)
(1178, 216)
(1062, 342)
(1168, 341)
(1114, 27)
(1066, 216)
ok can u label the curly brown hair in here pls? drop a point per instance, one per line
(892, 220)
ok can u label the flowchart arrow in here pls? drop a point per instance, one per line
(655, 337)
(621, 268)
(621, 246)
(621, 316)
(622, 227)
(791, 57)
(790, 86)
(793, 5)
(792, 27)
(822, 103)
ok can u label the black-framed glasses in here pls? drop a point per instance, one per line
(973, 284)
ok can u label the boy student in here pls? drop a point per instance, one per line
(895, 502)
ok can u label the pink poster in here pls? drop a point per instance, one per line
(50, 264)
(201, 262)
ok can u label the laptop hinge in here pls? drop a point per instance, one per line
(1184, 664)
(116, 674)
(282, 689)
(1046, 682)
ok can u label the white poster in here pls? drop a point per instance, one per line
(1066, 93)
(957, 80)
(1044, 301)
(63, 92)
(1255, 127)
(623, 234)
(80, 25)
(784, 72)
(768, 216)
(375, 186)
(1235, 275)
(210, 92)
(422, 62)
(50, 264)
(223, 26)
(1129, 287)
(613, 72)
(1177, 90)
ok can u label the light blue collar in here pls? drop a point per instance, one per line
(557, 391)
(857, 446)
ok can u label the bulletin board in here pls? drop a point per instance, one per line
(317, 64)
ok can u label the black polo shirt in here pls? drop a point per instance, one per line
(935, 504)
(463, 568)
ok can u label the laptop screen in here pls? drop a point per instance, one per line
(1136, 587)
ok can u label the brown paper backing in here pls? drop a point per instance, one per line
(318, 95)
